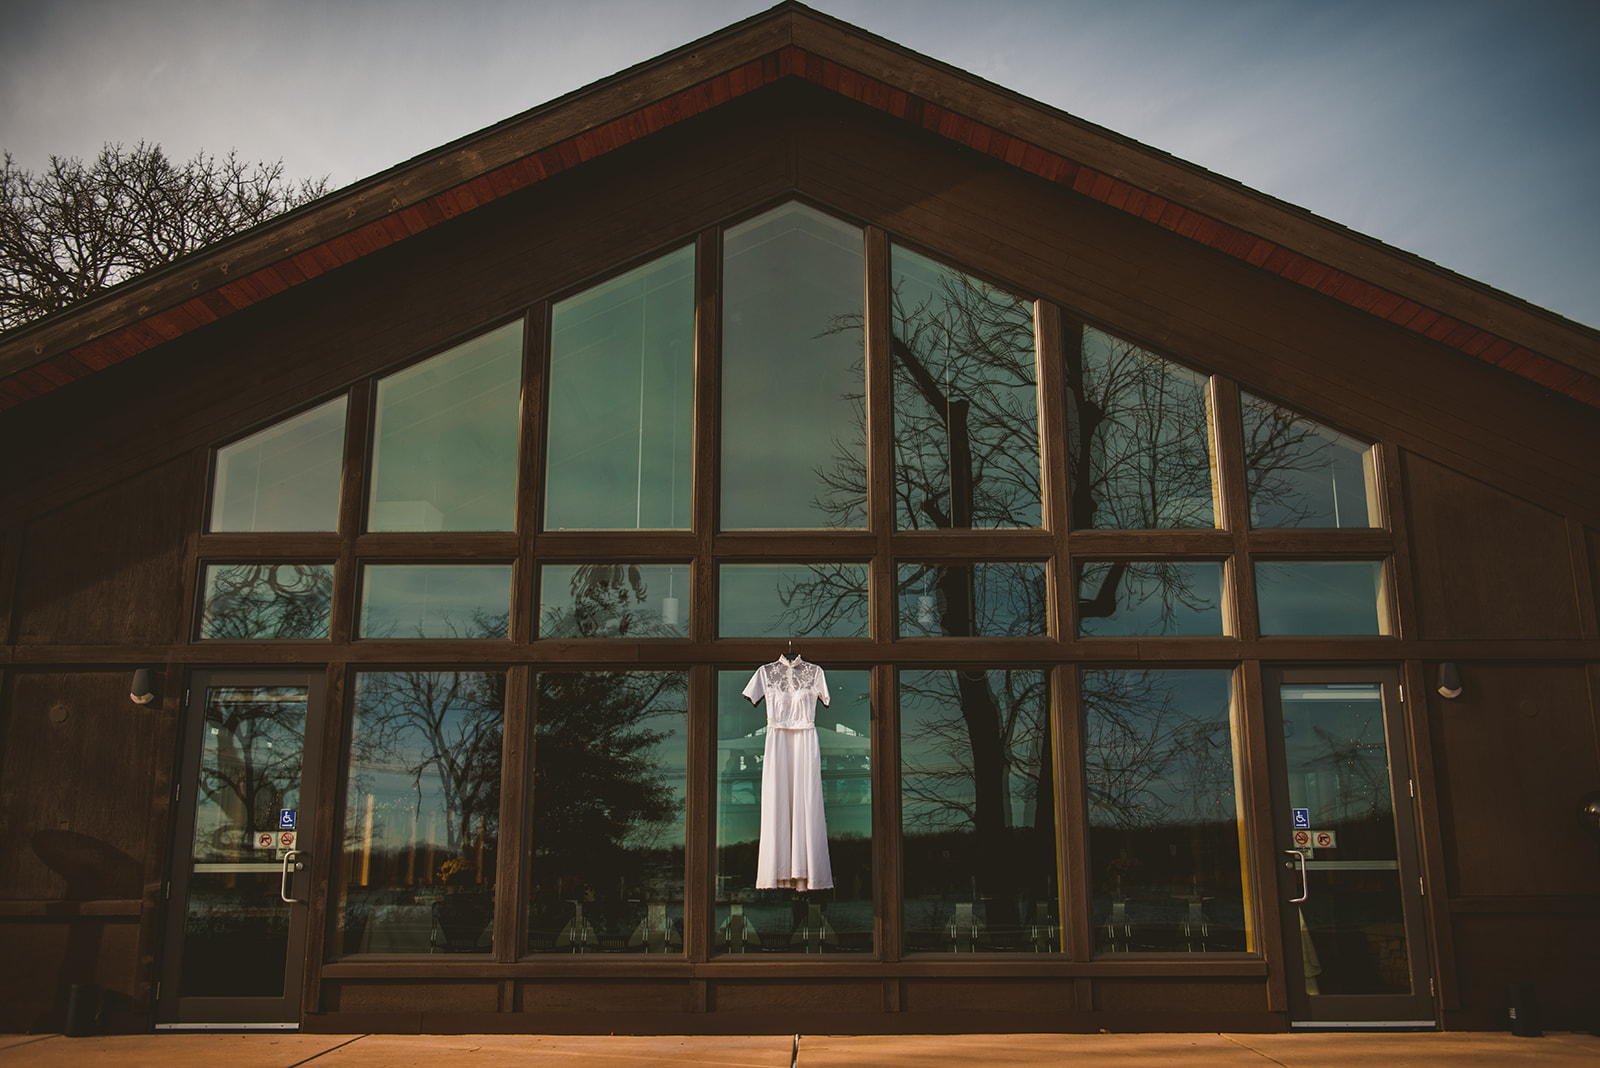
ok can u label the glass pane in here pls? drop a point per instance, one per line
(285, 477)
(793, 373)
(284, 601)
(1300, 473)
(1353, 935)
(973, 600)
(444, 453)
(1148, 597)
(1161, 772)
(790, 600)
(1138, 439)
(610, 773)
(837, 920)
(422, 813)
(1322, 597)
(614, 601)
(236, 926)
(621, 405)
(449, 601)
(977, 801)
(966, 401)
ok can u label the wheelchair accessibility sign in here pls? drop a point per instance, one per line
(1302, 819)
(286, 819)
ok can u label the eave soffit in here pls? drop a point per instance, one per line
(793, 41)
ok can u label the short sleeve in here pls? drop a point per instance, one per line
(756, 688)
(822, 687)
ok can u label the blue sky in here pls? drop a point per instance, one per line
(1467, 132)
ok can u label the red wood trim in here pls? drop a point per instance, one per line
(790, 61)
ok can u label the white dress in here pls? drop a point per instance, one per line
(794, 830)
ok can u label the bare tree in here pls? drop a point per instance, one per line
(77, 228)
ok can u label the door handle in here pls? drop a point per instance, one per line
(283, 889)
(1304, 890)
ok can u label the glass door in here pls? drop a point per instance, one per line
(240, 880)
(1346, 851)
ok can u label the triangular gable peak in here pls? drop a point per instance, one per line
(793, 42)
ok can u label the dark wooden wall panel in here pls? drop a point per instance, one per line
(1512, 755)
(989, 995)
(778, 996)
(604, 996)
(402, 995)
(108, 568)
(1556, 953)
(1187, 995)
(78, 776)
(1487, 564)
(55, 955)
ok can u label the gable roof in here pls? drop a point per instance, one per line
(791, 41)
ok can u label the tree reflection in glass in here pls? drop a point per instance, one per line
(837, 920)
(1149, 597)
(990, 600)
(1299, 473)
(266, 601)
(236, 924)
(966, 406)
(422, 813)
(621, 405)
(447, 601)
(792, 384)
(1161, 775)
(1138, 439)
(978, 809)
(607, 833)
(779, 600)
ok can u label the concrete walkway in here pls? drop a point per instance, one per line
(278, 1050)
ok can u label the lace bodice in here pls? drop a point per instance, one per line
(792, 689)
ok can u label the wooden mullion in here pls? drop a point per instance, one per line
(888, 910)
(298, 548)
(1402, 609)
(188, 605)
(352, 507)
(973, 545)
(880, 437)
(700, 854)
(1261, 854)
(325, 849)
(516, 788)
(643, 547)
(430, 546)
(1150, 544)
(1321, 543)
(1227, 444)
(707, 430)
(1072, 816)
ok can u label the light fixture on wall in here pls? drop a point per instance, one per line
(143, 688)
(1449, 680)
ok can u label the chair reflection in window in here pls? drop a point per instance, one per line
(1195, 926)
(578, 935)
(962, 930)
(655, 933)
(813, 929)
(1042, 931)
(1119, 931)
(738, 933)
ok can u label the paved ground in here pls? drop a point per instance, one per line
(1456, 1050)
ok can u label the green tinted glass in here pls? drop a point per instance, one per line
(793, 373)
(444, 453)
(285, 477)
(621, 406)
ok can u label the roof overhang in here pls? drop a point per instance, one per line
(792, 41)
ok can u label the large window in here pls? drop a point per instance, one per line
(1031, 552)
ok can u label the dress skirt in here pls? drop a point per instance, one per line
(794, 831)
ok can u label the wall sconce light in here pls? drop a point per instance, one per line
(143, 688)
(1449, 680)
(1589, 812)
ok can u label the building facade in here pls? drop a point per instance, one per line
(1206, 594)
